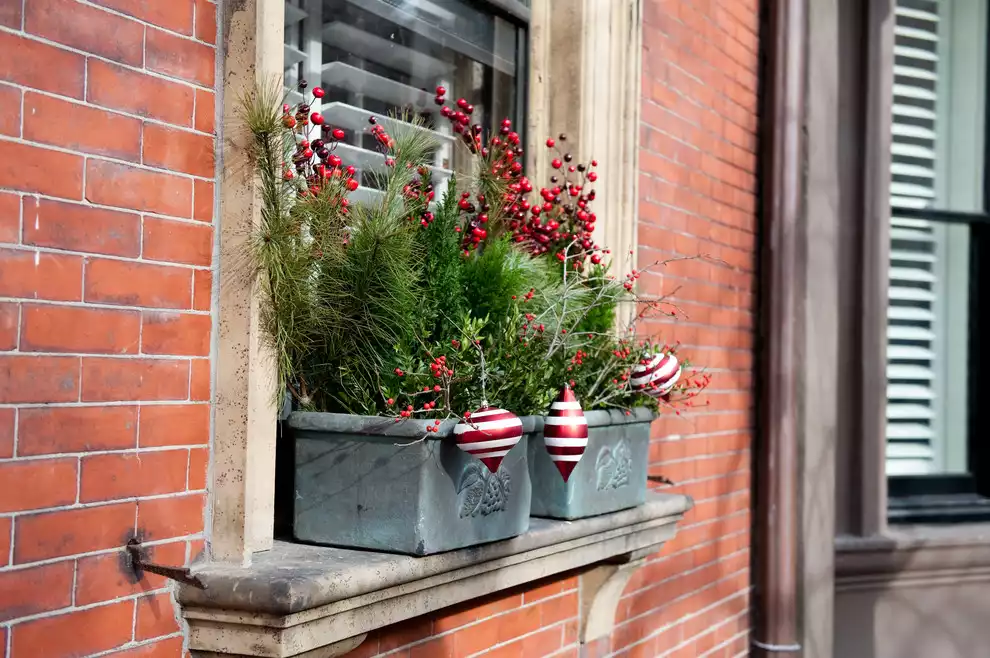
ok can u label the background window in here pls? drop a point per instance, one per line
(938, 205)
(383, 57)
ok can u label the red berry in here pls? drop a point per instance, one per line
(390, 401)
(556, 163)
(318, 92)
(592, 177)
(594, 163)
(338, 134)
(334, 160)
(441, 91)
(308, 153)
(550, 143)
(350, 170)
(596, 259)
(316, 118)
(352, 184)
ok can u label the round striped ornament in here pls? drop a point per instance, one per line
(656, 374)
(565, 432)
(489, 435)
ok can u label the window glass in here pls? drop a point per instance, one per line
(387, 57)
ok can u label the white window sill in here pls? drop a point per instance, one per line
(298, 598)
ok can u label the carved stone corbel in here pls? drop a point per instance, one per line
(600, 590)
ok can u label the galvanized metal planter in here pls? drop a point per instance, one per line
(610, 476)
(369, 482)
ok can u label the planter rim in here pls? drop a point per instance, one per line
(317, 421)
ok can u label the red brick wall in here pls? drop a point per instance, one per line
(697, 196)
(106, 243)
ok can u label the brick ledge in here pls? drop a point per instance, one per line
(296, 598)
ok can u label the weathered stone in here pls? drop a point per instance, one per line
(298, 598)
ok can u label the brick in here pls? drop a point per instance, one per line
(205, 119)
(203, 209)
(26, 592)
(202, 290)
(109, 576)
(6, 524)
(10, 217)
(197, 550)
(206, 21)
(9, 318)
(86, 28)
(174, 425)
(137, 284)
(172, 15)
(10, 16)
(119, 88)
(51, 430)
(108, 379)
(179, 58)
(50, 328)
(69, 532)
(155, 617)
(114, 184)
(542, 644)
(201, 380)
(559, 608)
(516, 624)
(7, 425)
(29, 168)
(549, 587)
(77, 633)
(39, 379)
(41, 66)
(10, 110)
(178, 150)
(405, 633)
(178, 242)
(80, 127)
(37, 484)
(472, 611)
(477, 638)
(78, 227)
(165, 518)
(199, 464)
(34, 275)
(169, 648)
(175, 333)
(441, 647)
(118, 476)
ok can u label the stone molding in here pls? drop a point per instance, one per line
(298, 600)
(926, 557)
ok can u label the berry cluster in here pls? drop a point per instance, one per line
(561, 222)
(314, 161)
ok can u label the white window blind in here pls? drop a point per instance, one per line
(383, 58)
(936, 163)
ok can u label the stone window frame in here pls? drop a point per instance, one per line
(592, 52)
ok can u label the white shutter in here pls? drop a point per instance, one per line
(912, 407)
(937, 162)
(374, 57)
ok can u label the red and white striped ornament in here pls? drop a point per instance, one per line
(656, 374)
(565, 432)
(489, 435)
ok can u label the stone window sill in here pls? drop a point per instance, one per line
(298, 600)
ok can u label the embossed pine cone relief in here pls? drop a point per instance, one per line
(483, 492)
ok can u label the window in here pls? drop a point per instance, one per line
(939, 220)
(387, 57)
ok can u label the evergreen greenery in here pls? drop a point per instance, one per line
(360, 301)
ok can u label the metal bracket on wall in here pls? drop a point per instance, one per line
(139, 565)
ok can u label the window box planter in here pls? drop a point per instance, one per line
(611, 475)
(369, 482)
